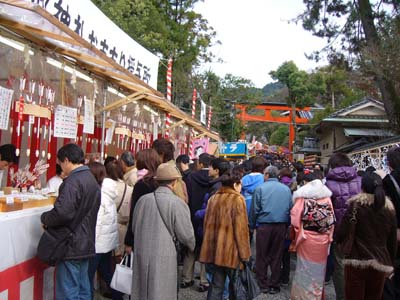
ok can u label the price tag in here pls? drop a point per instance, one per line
(1, 193)
(9, 200)
(13, 192)
(24, 198)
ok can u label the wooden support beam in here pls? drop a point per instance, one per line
(38, 31)
(126, 100)
(177, 124)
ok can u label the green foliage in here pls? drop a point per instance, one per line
(368, 41)
(303, 88)
(271, 88)
(280, 136)
(168, 29)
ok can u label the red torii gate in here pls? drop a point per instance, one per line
(244, 117)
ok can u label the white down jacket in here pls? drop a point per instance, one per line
(107, 226)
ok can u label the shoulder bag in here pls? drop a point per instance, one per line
(174, 239)
(122, 199)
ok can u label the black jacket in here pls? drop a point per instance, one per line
(141, 188)
(77, 205)
(198, 184)
(391, 192)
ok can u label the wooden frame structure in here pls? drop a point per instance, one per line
(75, 50)
(245, 117)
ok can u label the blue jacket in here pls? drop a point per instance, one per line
(249, 184)
(271, 203)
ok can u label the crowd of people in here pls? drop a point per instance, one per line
(168, 212)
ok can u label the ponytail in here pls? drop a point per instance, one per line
(371, 183)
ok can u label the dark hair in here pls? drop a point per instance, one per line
(231, 177)
(205, 159)
(183, 158)
(298, 166)
(360, 173)
(285, 172)
(109, 159)
(370, 169)
(393, 157)
(127, 158)
(114, 170)
(371, 183)
(318, 174)
(58, 169)
(98, 170)
(320, 167)
(247, 165)
(165, 148)
(309, 177)
(7, 153)
(258, 164)
(220, 164)
(339, 160)
(150, 160)
(73, 152)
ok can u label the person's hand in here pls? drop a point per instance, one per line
(128, 250)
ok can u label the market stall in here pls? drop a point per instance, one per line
(64, 79)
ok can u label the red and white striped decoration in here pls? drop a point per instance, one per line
(194, 98)
(209, 118)
(169, 97)
(169, 80)
(191, 140)
(167, 124)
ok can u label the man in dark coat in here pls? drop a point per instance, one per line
(75, 210)
(198, 184)
(391, 184)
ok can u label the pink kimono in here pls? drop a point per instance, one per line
(312, 247)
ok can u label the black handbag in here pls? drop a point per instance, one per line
(52, 248)
(245, 284)
(53, 244)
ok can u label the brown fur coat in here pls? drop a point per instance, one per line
(226, 231)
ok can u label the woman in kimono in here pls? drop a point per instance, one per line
(312, 218)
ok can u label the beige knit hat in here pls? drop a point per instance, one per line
(167, 171)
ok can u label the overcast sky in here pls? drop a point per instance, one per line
(257, 38)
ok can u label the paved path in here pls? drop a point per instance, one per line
(192, 293)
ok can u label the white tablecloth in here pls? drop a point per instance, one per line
(20, 271)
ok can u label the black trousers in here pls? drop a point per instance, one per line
(270, 239)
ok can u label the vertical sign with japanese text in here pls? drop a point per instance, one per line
(5, 105)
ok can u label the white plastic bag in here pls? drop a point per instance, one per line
(122, 278)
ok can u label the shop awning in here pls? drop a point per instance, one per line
(33, 24)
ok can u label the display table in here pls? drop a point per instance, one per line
(22, 276)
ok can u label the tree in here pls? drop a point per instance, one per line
(168, 29)
(303, 88)
(369, 37)
(279, 136)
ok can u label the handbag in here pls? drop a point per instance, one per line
(245, 286)
(53, 245)
(51, 248)
(122, 278)
(346, 245)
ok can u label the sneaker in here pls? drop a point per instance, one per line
(185, 284)
(274, 290)
(203, 288)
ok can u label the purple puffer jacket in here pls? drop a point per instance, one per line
(344, 184)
